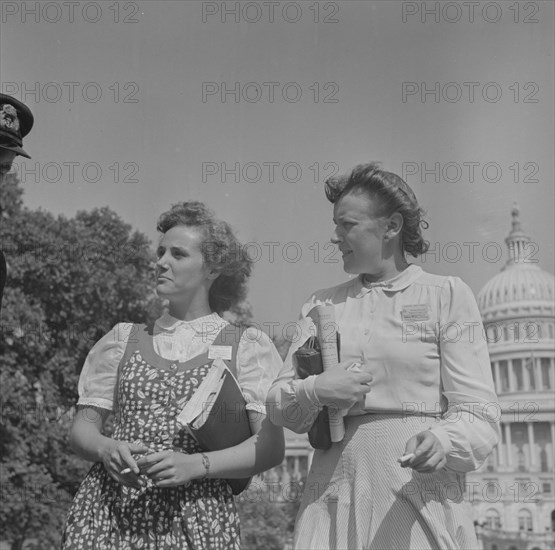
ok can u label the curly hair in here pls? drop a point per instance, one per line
(391, 194)
(220, 249)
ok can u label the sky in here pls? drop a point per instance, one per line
(249, 106)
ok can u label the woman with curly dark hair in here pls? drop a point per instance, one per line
(418, 398)
(152, 486)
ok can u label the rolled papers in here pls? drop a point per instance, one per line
(327, 338)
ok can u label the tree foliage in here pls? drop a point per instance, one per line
(69, 281)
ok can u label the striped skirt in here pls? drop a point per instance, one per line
(357, 496)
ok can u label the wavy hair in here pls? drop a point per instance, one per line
(390, 194)
(220, 249)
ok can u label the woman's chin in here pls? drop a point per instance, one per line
(161, 291)
(353, 269)
(348, 267)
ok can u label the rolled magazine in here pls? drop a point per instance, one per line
(327, 338)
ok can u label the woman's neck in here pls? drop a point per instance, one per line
(189, 310)
(389, 269)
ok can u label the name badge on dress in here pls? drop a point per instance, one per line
(419, 312)
(220, 352)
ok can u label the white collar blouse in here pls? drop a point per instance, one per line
(258, 361)
(421, 337)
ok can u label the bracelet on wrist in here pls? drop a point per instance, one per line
(206, 464)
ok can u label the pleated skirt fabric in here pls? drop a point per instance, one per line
(357, 496)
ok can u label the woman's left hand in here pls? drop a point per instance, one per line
(429, 455)
(170, 468)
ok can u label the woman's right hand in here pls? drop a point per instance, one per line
(342, 386)
(117, 456)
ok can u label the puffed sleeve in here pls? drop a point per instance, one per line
(258, 363)
(292, 402)
(469, 429)
(99, 375)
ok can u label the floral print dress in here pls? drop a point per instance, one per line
(106, 515)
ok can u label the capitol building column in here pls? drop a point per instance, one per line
(497, 378)
(508, 444)
(533, 464)
(500, 449)
(538, 374)
(512, 381)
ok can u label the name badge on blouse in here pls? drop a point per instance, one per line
(419, 312)
(220, 352)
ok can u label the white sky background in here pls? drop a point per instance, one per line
(361, 60)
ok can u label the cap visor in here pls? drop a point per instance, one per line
(17, 150)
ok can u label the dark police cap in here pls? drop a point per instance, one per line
(16, 121)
